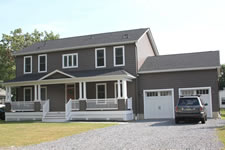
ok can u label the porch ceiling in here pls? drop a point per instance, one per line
(75, 76)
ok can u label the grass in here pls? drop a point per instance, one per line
(26, 133)
(222, 113)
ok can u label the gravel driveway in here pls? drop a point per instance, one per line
(162, 134)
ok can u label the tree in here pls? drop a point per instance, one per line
(222, 78)
(15, 41)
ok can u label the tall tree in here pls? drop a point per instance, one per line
(15, 41)
(222, 78)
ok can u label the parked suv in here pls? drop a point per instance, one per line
(191, 107)
(2, 112)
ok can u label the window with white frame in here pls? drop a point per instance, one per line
(44, 93)
(70, 60)
(119, 56)
(42, 63)
(27, 64)
(100, 58)
(27, 93)
(101, 92)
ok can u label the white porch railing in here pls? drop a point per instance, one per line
(22, 106)
(68, 109)
(129, 103)
(75, 105)
(102, 104)
(45, 108)
(42, 104)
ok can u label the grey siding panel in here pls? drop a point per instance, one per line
(86, 60)
(176, 80)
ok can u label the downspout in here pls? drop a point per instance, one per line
(136, 85)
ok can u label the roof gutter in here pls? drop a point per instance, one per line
(181, 69)
(72, 48)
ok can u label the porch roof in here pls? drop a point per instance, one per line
(74, 75)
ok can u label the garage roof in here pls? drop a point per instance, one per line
(181, 62)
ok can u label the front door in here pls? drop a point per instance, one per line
(70, 92)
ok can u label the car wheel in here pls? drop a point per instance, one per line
(203, 120)
(176, 121)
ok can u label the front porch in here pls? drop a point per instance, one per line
(71, 99)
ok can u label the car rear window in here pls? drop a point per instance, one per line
(188, 102)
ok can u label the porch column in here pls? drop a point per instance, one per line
(6, 94)
(39, 92)
(124, 86)
(9, 94)
(80, 90)
(118, 89)
(35, 93)
(84, 90)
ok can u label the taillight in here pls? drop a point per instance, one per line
(176, 109)
(201, 108)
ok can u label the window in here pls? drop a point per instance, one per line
(150, 94)
(100, 58)
(165, 93)
(42, 63)
(70, 60)
(101, 91)
(27, 64)
(27, 94)
(43, 93)
(223, 100)
(119, 56)
(202, 92)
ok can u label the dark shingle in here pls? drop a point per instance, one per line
(181, 61)
(84, 41)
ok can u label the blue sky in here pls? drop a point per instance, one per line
(178, 26)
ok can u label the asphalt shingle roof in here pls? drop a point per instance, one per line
(78, 74)
(181, 61)
(84, 41)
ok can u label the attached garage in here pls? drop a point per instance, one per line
(203, 92)
(158, 103)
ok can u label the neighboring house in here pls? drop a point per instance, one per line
(108, 76)
(2, 96)
(222, 98)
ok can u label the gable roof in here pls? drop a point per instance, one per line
(181, 62)
(94, 40)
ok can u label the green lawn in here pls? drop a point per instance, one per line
(26, 133)
(221, 130)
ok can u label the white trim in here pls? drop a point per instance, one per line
(96, 63)
(159, 90)
(24, 62)
(29, 88)
(114, 56)
(68, 55)
(181, 69)
(115, 87)
(46, 94)
(56, 71)
(97, 84)
(45, 55)
(74, 48)
(200, 88)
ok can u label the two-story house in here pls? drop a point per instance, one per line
(109, 76)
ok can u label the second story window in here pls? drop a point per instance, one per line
(119, 56)
(70, 60)
(100, 59)
(42, 63)
(27, 64)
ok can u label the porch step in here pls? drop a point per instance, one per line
(55, 117)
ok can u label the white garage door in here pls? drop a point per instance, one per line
(158, 104)
(205, 94)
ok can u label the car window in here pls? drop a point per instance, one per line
(188, 102)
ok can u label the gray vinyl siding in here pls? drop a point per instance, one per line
(86, 60)
(176, 80)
